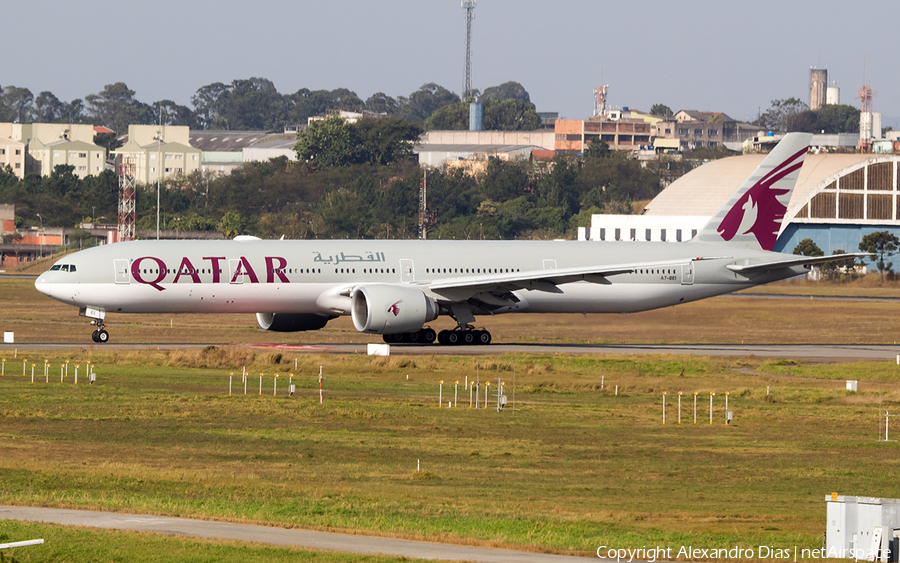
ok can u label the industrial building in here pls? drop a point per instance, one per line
(838, 199)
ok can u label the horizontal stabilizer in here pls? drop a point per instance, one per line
(799, 261)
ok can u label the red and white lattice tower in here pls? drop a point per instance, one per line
(600, 99)
(127, 170)
(865, 95)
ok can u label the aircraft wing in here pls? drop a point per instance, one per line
(548, 280)
(799, 261)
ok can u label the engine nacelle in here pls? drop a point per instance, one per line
(390, 309)
(291, 322)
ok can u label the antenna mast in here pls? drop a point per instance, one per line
(469, 7)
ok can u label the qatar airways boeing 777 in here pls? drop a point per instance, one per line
(395, 287)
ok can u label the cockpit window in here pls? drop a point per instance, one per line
(65, 268)
(72, 268)
(55, 267)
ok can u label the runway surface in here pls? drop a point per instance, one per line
(817, 352)
(279, 536)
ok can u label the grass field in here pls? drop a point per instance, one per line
(36, 318)
(572, 468)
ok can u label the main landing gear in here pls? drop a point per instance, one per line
(468, 336)
(421, 336)
(459, 336)
(100, 335)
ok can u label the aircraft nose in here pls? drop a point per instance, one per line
(42, 283)
(47, 283)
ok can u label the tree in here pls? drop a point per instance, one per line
(453, 117)
(425, 101)
(661, 110)
(782, 115)
(510, 115)
(48, 108)
(380, 102)
(168, 112)
(882, 244)
(232, 224)
(807, 247)
(384, 141)
(326, 143)
(116, 108)
(207, 102)
(16, 104)
(506, 91)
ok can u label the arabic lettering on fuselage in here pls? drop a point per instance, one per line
(342, 257)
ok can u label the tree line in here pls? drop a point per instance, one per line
(373, 193)
(251, 104)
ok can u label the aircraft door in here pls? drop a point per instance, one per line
(234, 267)
(407, 271)
(122, 273)
(687, 273)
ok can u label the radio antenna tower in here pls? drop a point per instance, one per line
(469, 7)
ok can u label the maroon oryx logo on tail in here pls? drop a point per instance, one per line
(759, 211)
(395, 309)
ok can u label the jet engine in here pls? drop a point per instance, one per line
(390, 309)
(291, 322)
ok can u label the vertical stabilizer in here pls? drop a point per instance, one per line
(752, 216)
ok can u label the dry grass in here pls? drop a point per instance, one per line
(36, 318)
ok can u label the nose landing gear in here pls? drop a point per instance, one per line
(100, 335)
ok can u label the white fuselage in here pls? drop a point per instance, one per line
(316, 276)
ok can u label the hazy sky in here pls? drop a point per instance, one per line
(718, 55)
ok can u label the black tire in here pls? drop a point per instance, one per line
(412, 337)
(102, 336)
(428, 336)
(94, 336)
(468, 337)
(483, 337)
(442, 337)
(387, 338)
(453, 337)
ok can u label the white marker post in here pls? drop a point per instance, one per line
(441, 395)
(477, 389)
(275, 386)
(291, 381)
(471, 387)
(499, 391)
(229, 383)
(726, 406)
(260, 384)
(664, 407)
(320, 385)
(455, 393)
(32, 373)
(487, 387)
(3, 368)
(695, 407)
(679, 407)
(245, 383)
(24, 367)
(711, 395)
